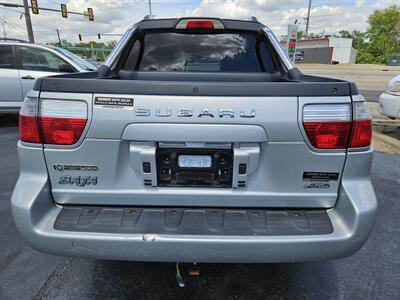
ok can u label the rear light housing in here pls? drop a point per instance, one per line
(362, 126)
(338, 126)
(54, 122)
(200, 24)
(28, 121)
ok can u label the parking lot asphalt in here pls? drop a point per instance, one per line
(372, 273)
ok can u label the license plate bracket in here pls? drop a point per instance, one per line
(193, 167)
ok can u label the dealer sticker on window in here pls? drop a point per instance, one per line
(114, 102)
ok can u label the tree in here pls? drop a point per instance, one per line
(382, 38)
(384, 33)
(359, 38)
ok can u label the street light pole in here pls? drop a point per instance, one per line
(59, 38)
(308, 17)
(150, 8)
(28, 22)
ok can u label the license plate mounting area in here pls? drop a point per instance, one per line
(194, 167)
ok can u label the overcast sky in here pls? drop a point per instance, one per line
(115, 16)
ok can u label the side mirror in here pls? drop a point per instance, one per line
(66, 68)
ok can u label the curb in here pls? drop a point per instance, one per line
(387, 140)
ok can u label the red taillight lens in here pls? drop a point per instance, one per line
(62, 122)
(328, 135)
(200, 24)
(28, 121)
(362, 126)
(328, 126)
(28, 129)
(59, 122)
(362, 134)
(61, 131)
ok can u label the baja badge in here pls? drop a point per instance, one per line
(78, 180)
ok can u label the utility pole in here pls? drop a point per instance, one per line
(308, 17)
(28, 22)
(4, 30)
(59, 39)
(150, 8)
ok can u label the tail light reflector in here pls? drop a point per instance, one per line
(58, 122)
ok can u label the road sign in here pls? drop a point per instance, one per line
(291, 41)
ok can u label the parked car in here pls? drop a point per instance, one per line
(389, 102)
(196, 141)
(22, 62)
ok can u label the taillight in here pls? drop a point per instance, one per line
(62, 122)
(362, 126)
(327, 125)
(330, 126)
(200, 24)
(28, 122)
(58, 122)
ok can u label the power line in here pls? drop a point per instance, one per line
(19, 29)
(13, 26)
(13, 10)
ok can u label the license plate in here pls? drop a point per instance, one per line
(194, 161)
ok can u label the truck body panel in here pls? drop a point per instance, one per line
(196, 141)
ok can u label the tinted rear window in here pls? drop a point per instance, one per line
(228, 52)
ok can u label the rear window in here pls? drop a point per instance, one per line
(227, 52)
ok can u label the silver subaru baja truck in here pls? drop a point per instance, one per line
(196, 141)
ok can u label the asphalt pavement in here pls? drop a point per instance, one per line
(371, 96)
(372, 273)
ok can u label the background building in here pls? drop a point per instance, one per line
(326, 50)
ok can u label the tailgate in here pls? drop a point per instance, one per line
(202, 151)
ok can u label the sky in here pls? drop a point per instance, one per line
(328, 16)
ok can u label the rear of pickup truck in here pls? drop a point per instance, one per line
(197, 141)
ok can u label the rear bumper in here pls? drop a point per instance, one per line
(389, 105)
(352, 220)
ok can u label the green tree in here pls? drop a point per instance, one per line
(359, 38)
(384, 33)
(382, 38)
